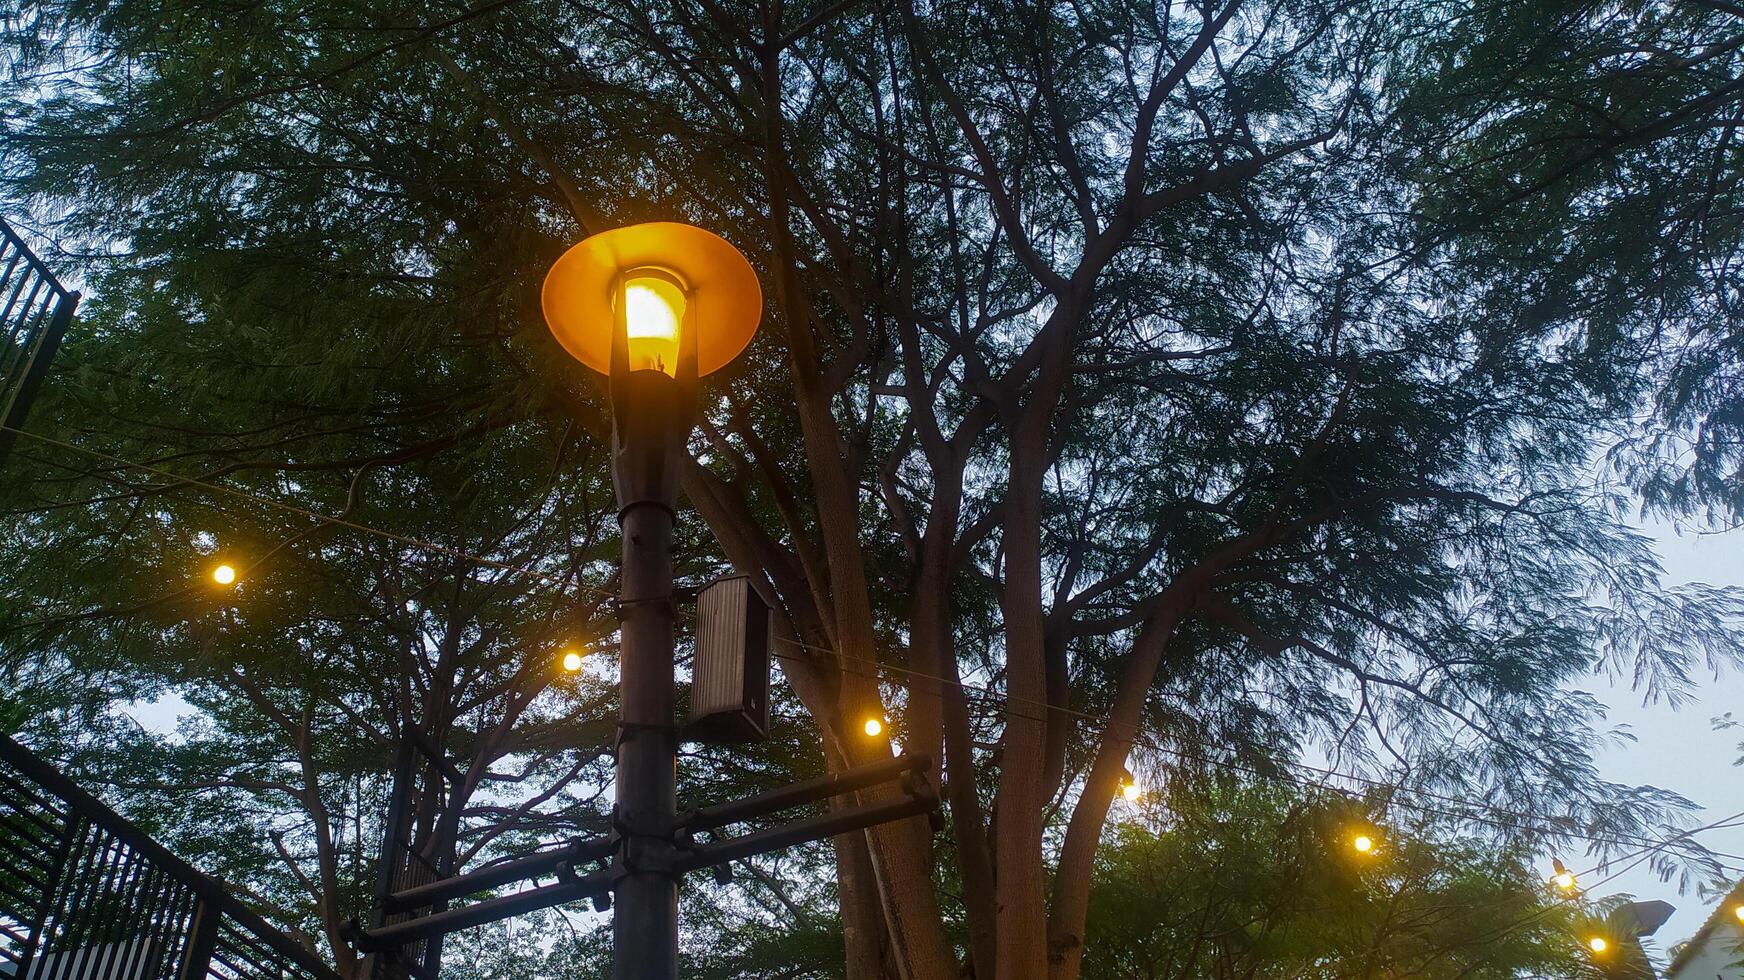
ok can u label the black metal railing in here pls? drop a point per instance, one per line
(86, 894)
(35, 310)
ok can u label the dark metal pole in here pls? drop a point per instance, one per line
(652, 418)
(645, 908)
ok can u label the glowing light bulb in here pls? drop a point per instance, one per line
(572, 661)
(1363, 843)
(653, 313)
(1131, 791)
(1565, 881)
(224, 575)
(874, 727)
(1597, 944)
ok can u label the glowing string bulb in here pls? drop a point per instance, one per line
(224, 575)
(572, 661)
(873, 727)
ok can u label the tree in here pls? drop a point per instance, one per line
(1253, 880)
(1134, 363)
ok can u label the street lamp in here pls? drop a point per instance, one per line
(1564, 878)
(1129, 787)
(653, 307)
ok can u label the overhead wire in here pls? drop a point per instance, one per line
(878, 670)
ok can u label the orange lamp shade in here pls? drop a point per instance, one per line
(664, 278)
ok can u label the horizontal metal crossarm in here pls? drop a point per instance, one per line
(479, 913)
(600, 882)
(501, 873)
(804, 831)
(918, 798)
(798, 794)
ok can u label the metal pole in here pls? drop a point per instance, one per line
(645, 909)
(651, 419)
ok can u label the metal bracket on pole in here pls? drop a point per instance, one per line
(675, 853)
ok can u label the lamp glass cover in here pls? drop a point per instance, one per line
(653, 316)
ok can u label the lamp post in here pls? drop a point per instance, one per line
(653, 307)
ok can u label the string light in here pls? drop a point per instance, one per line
(224, 574)
(323, 518)
(1129, 786)
(1564, 878)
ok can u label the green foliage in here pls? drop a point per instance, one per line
(1323, 367)
(1236, 880)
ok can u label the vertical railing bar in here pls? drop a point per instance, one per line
(17, 290)
(163, 901)
(105, 903)
(18, 332)
(133, 909)
(83, 834)
(77, 937)
(69, 833)
(35, 288)
(15, 357)
(138, 922)
(110, 858)
(170, 926)
(177, 939)
(17, 254)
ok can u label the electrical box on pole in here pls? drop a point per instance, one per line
(729, 693)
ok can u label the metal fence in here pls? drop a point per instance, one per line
(34, 312)
(86, 894)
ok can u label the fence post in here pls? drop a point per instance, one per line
(202, 940)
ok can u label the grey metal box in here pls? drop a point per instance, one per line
(729, 693)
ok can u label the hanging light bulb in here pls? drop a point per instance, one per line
(1564, 878)
(1129, 786)
(571, 661)
(873, 728)
(224, 574)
